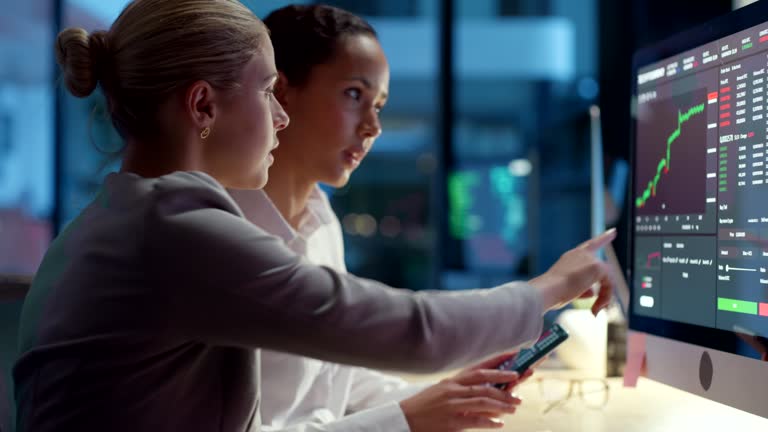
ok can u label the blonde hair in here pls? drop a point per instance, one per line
(156, 47)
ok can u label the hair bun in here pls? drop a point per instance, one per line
(81, 57)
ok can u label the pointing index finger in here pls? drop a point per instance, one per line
(600, 241)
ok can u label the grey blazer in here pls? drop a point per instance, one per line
(148, 308)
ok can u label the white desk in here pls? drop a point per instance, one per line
(650, 407)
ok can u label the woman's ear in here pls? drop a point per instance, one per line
(283, 90)
(200, 104)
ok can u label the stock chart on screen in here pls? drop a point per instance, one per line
(701, 185)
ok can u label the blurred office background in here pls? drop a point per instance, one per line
(481, 174)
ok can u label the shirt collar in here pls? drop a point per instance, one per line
(261, 211)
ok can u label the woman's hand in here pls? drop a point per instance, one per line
(575, 272)
(465, 400)
(495, 361)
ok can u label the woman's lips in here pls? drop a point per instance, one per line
(353, 159)
(270, 156)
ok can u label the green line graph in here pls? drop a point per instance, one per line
(664, 164)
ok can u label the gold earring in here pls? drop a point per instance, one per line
(204, 134)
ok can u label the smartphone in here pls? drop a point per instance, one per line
(529, 356)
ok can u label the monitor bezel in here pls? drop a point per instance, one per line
(726, 25)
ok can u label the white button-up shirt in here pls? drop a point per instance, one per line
(301, 394)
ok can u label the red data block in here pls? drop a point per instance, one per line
(763, 309)
(712, 95)
(725, 90)
(725, 123)
(725, 107)
(725, 115)
(764, 39)
(725, 98)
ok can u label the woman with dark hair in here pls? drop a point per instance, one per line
(333, 82)
(147, 310)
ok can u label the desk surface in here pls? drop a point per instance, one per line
(650, 407)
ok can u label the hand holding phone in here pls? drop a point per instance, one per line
(528, 357)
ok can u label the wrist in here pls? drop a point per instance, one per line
(549, 288)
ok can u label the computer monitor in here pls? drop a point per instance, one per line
(487, 216)
(698, 263)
